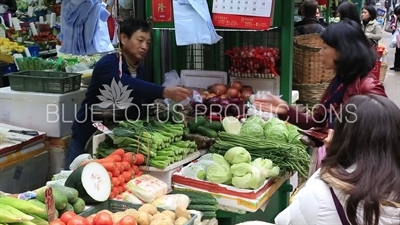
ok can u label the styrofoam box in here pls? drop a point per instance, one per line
(51, 113)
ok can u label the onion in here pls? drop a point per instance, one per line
(232, 92)
(218, 89)
(246, 94)
(237, 85)
(247, 88)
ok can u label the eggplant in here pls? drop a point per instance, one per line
(235, 101)
(213, 101)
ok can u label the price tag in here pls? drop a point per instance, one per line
(104, 129)
(49, 202)
(15, 22)
(30, 11)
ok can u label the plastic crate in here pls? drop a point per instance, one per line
(45, 81)
(119, 206)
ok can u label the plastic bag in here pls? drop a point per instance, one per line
(131, 198)
(172, 79)
(147, 188)
(171, 202)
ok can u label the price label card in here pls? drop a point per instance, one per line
(49, 202)
(30, 11)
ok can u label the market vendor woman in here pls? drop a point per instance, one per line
(135, 38)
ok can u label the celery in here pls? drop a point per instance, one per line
(165, 153)
(161, 158)
(181, 144)
(161, 164)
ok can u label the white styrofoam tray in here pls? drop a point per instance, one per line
(202, 78)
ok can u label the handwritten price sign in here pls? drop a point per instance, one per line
(49, 202)
(102, 128)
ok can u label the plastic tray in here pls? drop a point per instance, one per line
(119, 206)
(45, 81)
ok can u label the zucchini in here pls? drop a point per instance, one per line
(196, 122)
(70, 193)
(214, 125)
(60, 200)
(207, 132)
(203, 207)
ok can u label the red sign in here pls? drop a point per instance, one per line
(50, 207)
(162, 10)
(242, 22)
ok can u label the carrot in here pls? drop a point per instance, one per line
(109, 166)
(127, 175)
(139, 173)
(115, 191)
(115, 181)
(115, 172)
(121, 179)
(135, 169)
(129, 157)
(119, 152)
(120, 189)
(139, 159)
(116, 158)
(126, 165)
(110, 174)
(112, 195)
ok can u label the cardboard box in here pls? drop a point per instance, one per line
(57, 147)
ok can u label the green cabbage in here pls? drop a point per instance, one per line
(219, 172)
(293, 134)
(255, 119)
(237, 155)
(252, 129)
(275, 129)
(266, 167)
(247, 176)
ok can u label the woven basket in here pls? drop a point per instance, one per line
(310, 94)
(308, 68)
(382, 72)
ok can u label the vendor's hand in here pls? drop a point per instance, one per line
(176, 94)
(273, 104)
(327, 140)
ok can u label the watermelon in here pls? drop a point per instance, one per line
(91, 181)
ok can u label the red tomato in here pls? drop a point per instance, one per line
(57, 222)
(67, 216)
(103, 218)
(127, 220)
(78, 220)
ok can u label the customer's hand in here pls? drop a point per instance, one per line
(176, 94)
(393, 27)
(327, 140)
(273, 104)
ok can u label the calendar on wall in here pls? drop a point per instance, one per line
(245, 14)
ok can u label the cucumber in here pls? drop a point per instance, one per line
(60, 200)
(70, 193)
(209, 215)
(214, 125)
(212, 208)
(207, 132)
(79, 206)
(67, 208)
(196, 122)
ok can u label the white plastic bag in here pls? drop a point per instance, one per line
(171, 202)
(172, 79)
(395, 39)
(147, 188)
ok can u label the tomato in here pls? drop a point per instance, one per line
(103, 218)
(57, 222)
(78, 220)
(127, 220)
(67, 216)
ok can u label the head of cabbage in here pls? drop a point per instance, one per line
(275, 129)
(237, 155)
(266, 167)
(219, 171)
(247, 176)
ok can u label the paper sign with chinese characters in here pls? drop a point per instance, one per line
(243, 14)
(162, 10)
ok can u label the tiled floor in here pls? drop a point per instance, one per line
(392, 81)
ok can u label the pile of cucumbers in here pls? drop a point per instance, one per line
(200, 125)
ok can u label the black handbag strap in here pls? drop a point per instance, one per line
(339, 208)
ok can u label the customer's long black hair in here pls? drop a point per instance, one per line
(368, 138)
(347, 10)
(356, 57)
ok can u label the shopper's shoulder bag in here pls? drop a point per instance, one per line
(339, 208)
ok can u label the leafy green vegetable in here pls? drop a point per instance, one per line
(293, 134)
(246, 176)
(237, 155)
(255, 119)
(253, 129)
(275, 129)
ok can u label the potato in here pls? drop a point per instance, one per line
(181, 221)
(170, 214)
(162, 221)
(158, 215)
(182, 212)
(131, 212)
(142, 218)
(118, 216)
(149, 208)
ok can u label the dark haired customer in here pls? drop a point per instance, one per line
(346, 50)
(348, 10)
(359, 180)
(370, 26)
(135, 39)
(309, 24)
(395, 23)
